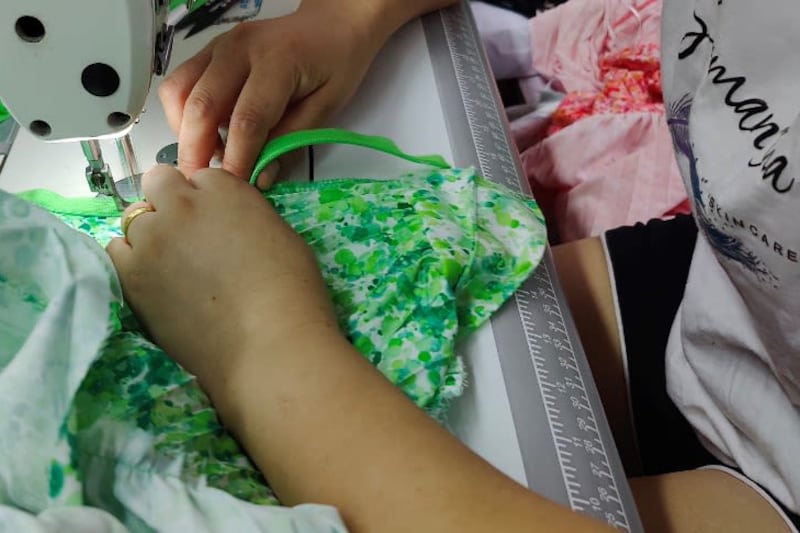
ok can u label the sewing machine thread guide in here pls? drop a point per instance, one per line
(545, 369)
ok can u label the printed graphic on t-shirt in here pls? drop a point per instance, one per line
(756, 120)
(678, 116)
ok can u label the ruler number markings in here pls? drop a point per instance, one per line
(578, 444)
(577, 441)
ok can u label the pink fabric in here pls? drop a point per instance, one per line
(605, 170)
(631, 83)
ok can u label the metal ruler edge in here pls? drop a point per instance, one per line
(545, 369)
(8, 132)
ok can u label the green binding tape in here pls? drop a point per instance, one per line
(4, 114)
(100, 206)
(105, 206)
(302, 139)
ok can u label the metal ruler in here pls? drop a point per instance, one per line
(567, 448)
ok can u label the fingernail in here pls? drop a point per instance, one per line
(268, 176)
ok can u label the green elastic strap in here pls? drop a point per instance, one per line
(105, 206)
(101, 206)
(301, 139)
(4, 114)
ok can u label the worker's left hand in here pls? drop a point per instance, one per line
(265, 78)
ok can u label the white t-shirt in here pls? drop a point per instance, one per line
(731, 76)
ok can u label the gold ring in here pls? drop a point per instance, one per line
(130, 217)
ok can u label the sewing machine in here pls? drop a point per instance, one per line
(82, 71)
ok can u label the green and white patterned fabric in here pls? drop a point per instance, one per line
(414, 264)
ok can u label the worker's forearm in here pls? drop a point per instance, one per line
(377, 20)
(324, 426)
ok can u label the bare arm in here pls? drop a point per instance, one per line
(235, 296)
(383, 17)
(325, 426)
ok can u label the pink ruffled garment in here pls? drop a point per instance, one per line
(606, 159)
(631, 83)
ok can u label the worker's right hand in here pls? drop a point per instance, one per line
(211, 269)
(266, 78)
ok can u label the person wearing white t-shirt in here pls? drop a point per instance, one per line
(698, 326)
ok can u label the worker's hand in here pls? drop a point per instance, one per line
(265, 78)
(214, 268)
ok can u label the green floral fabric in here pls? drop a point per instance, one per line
(413, 264)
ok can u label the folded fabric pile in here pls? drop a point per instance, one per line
(631, 83)
(593, 135)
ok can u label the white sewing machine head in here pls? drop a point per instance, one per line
(82, 70)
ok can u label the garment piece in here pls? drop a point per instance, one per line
(638, 255)
(631, 84)
(733, 361)
(607, 160)
(59, 520)
(530, 121)
(506, 38)
(569, 40)
(58, 295)
(413, 265)
(59, 302)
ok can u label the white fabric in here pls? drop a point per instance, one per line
(731, 75)
(506, 37)
(56, 290)
(59, 520)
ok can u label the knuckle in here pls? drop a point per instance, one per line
(247, 121)
(183, 205)
(206, 174)
(239, 33)
(236, 167)
(213, 178)
(200, 104)
(169, 87)
(189, 165)
(190, 161)
(327, 108)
